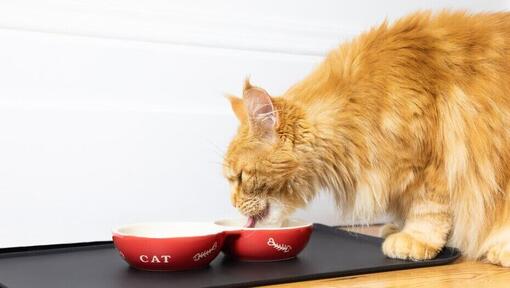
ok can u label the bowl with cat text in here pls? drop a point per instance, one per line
(265, 243)
(169, 246)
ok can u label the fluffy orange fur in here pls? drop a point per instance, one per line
(410, 120)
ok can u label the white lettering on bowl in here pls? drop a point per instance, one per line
(155, 258)
(203, 254)
(279, 246)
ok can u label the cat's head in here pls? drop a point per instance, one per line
(264, 165)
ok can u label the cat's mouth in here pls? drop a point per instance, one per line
(253, 219)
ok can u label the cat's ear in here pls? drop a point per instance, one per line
(247, 85)
(238, 107)
(262, 114)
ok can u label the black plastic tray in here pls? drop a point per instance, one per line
(330, 253)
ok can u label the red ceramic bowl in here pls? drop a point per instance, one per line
(266, 243)
(169, 246)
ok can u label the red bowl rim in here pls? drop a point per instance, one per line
(298, 224)
(210, 229)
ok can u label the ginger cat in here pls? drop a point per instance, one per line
(410, 119)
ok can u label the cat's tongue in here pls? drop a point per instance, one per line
(252, 221)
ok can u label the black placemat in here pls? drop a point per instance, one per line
(330, 253)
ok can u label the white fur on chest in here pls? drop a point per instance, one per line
(369, 200)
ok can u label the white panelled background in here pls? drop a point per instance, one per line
(113, 112)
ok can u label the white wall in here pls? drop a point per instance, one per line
(113, 112)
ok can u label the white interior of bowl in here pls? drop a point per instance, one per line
(168, 230)
(240, 223)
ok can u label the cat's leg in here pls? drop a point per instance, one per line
(497, 243)
(424, 234)
(426, 226)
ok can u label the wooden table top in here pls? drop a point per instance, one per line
(462, 274)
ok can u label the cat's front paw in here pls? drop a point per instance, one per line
(499, 255)
(402, 245)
